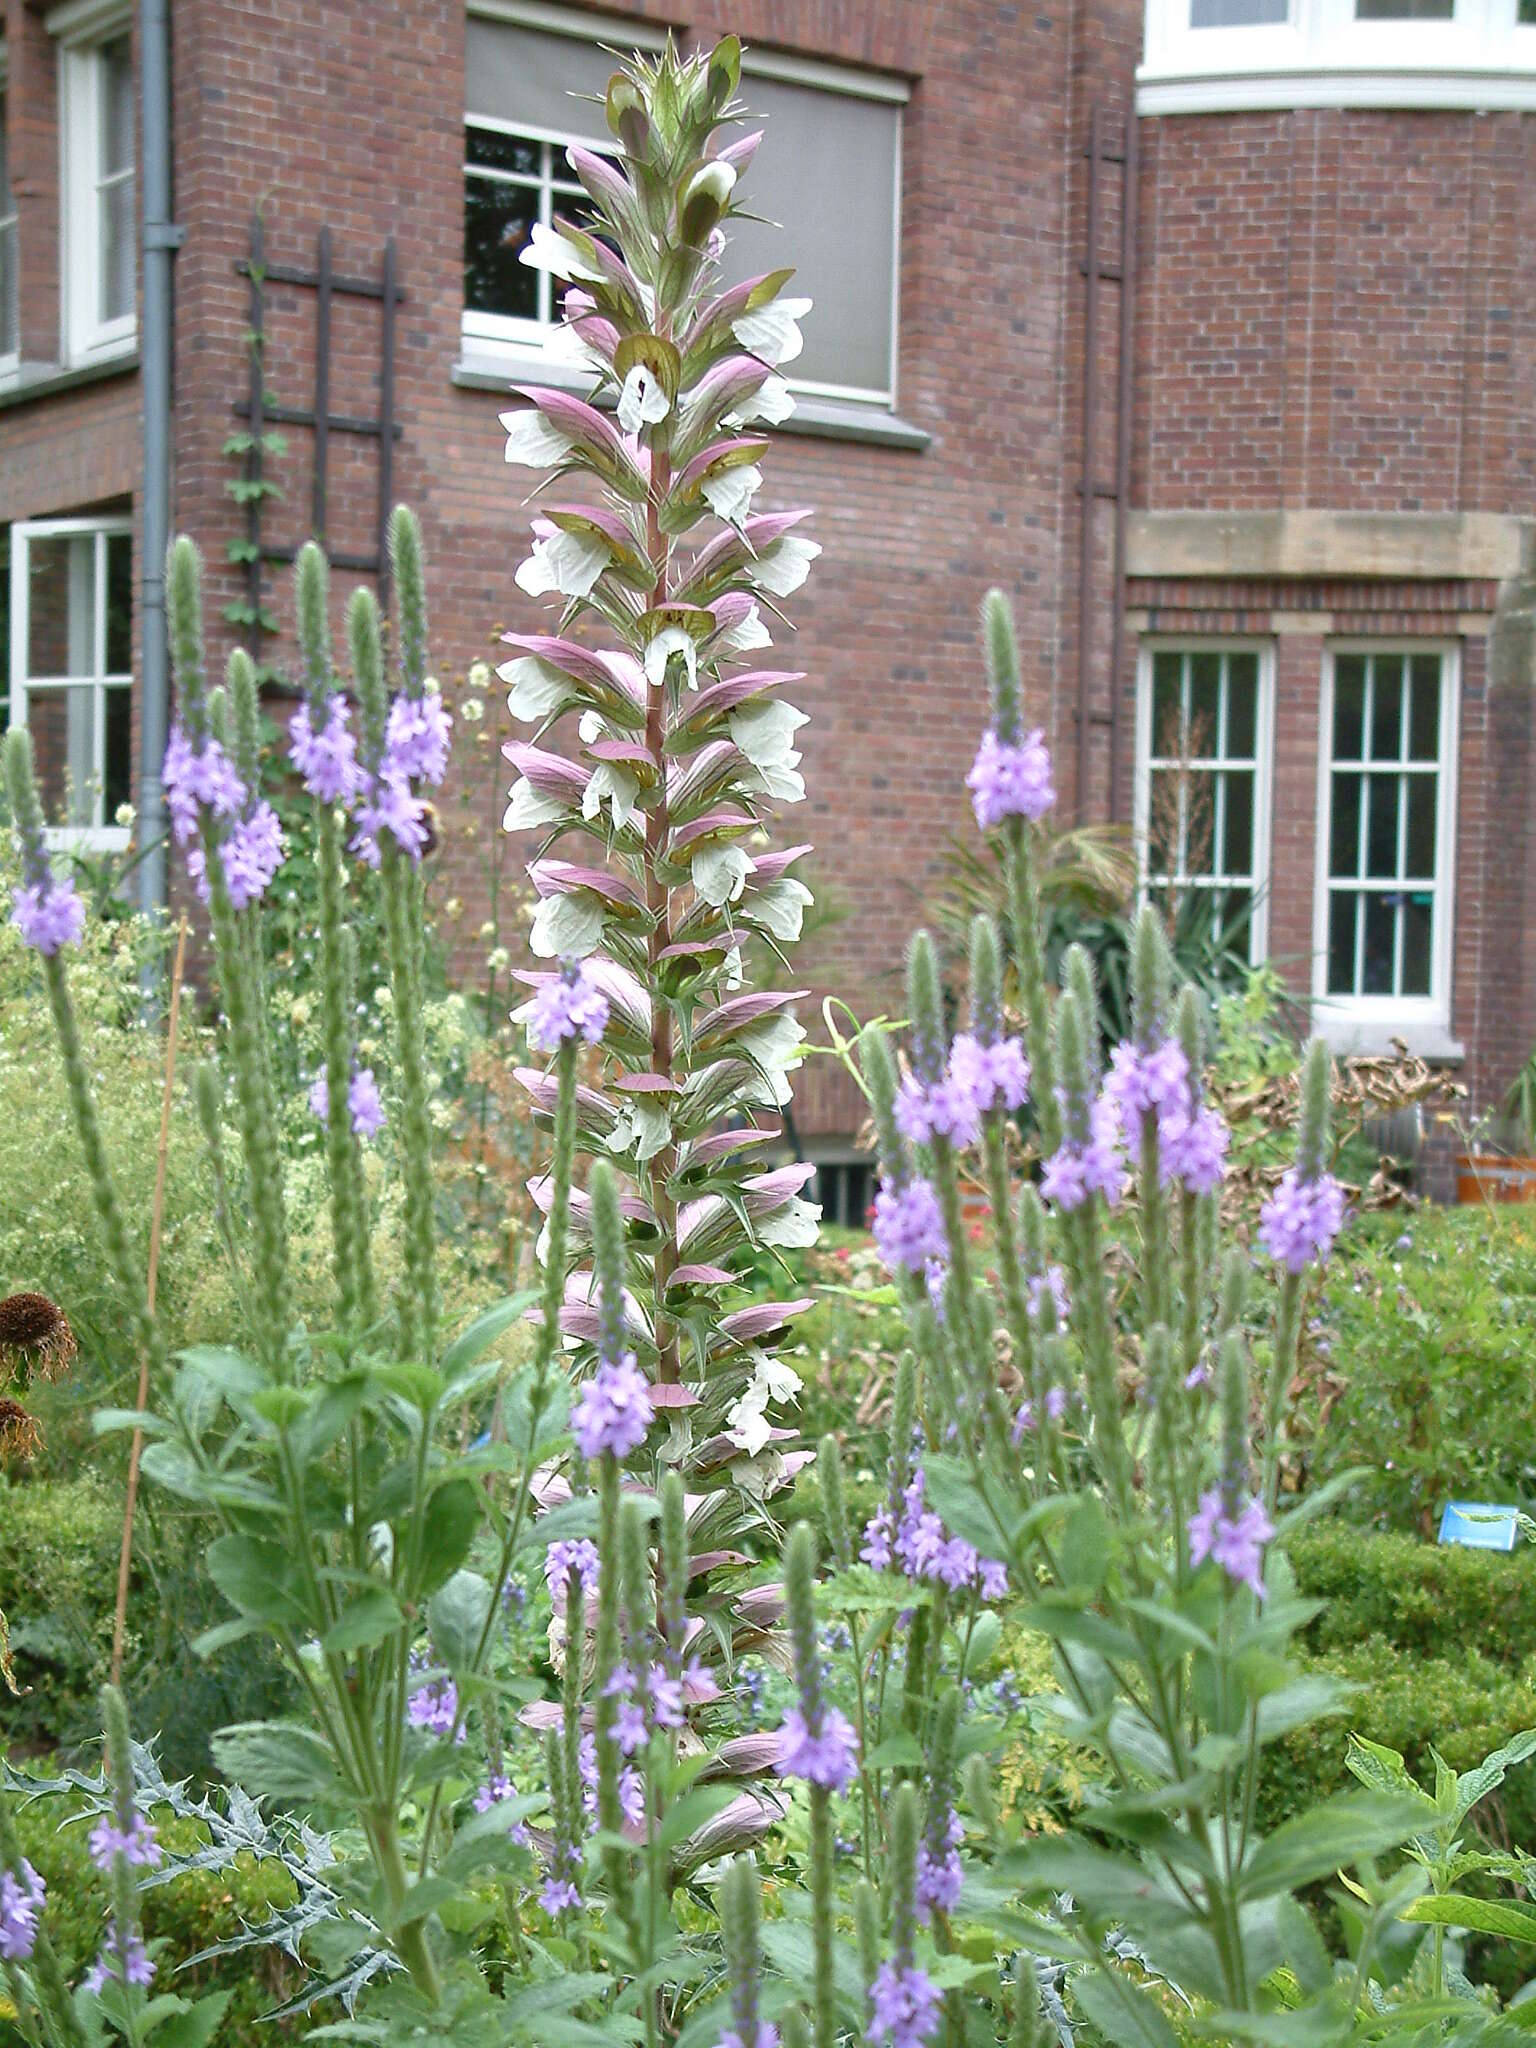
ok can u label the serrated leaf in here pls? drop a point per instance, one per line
(1123, 2011)
(1336, 1834)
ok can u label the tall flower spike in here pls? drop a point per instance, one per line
(816, 1742)
(739, 1929)
(905, 2002)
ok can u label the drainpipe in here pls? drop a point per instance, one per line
(162, 238)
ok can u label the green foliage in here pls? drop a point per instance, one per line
(1430, 1326)
(1425, 1599)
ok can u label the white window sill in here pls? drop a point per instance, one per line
(1170, 88)
(87, 839)
(41, 380)
(1345, 1032)
(832, 419)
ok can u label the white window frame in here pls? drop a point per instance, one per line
(520, 344)
(83, 30)
(1321, 56)
(481, 331)
(1369, 1023)
(1263, 764)
(10, 359)
(99, 835)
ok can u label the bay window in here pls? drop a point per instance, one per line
(1227, 54)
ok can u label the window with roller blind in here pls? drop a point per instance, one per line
(533, 87)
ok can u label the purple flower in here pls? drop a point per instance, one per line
(495, 1792)
(389, 808)
(252, 854)
(416, 738)
(327, 759)
(939, 1873)
(435, 1708)
(123, 1960)
(828, 1756)
(631, 1785)
(136, 1843)
(563, 1558)
(362, 1100)
(1077, 1171)
(1194, 1151)
(1139, 1083)
(22, 1898)
(1055, 1408)
(767, 2036)
(905, 2006)
(1235, 1540)
(994, 1076)
(1010, 781)
(614, 1410)
(197, 781)
(569, 1005)
(946, 1108)
(1301, 1219)
(558, 1893)
(909, 1226)
(920, 1545)
(1052, 1282)
(48, 914)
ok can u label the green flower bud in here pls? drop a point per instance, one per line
(366, 648)
(878, 1067)
(1234, 1420)
(738, 1901)
(976, 1779)
(1234, 1290)
(1316, 1101)
(925, 1008)
(1151, 978)
(184, 609)
(800, 1610)
(240, 681)
(410, 596)
(674, 1565)
(866, 1927)
(608, 1261)
(834, 1508)
(901, 1871)
(1002, 658)
(986, 980)
(312, 603)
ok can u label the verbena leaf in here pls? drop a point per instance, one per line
(1335, 1834)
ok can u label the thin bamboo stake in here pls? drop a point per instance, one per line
(125, 1558)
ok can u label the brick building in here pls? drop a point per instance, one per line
(1250, 280)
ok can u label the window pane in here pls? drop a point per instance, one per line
(1348, 706)
(1204, 704)
(1344, 834)
(1199, 823)
(1381, 826)
(1387, 707)
(1167, 682)
(1417, 925)
(1242, 705)
(1405, 10)
(1236, 914)
(1163, 822)
(1237, 13)
(1380, 934)
(1420, 849)
(515, 153)
(1235, 855)
(63, 723)
(1342, 909)
(118, 784)
(115, 278)
(498, 223)
(119, 604)
(1424, 715)
(1528, 11)
(61, 602)
(116, 108)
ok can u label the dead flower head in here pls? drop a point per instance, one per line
(20, 1436)
(35, 1336)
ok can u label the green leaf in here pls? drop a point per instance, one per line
(212, 1640)
(452, 1515)
(1515, 1919)
(1085, 1546)
(1110, 1887)
(108, 1421)
(1123, 2012)
(258, 1576)
(278, 1760)
(481, 1334)
(369, 1617)
(1332, 1836)
(862, 1590)
(1476, 1785)
(901, 1752)
(984, 1520)
(456, 1616)
(195, 2027)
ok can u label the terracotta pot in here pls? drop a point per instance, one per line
(1492, 1177)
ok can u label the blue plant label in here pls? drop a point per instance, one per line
(1479, 1525)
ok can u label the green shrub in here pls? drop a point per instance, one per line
(1429, 1599)
(1428, 1329)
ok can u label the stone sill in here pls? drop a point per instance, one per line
(1421, 89)
(47, 380)
(823, 418)
(1431, 1042)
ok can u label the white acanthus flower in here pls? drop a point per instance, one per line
(729, 495)
(772, 403)
(746, 636)
(772, 332)
(569, 563)
(746, 1419)
(642, 402)
(660, 650)
(547, 249)
(782, 568)
(532, 441)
